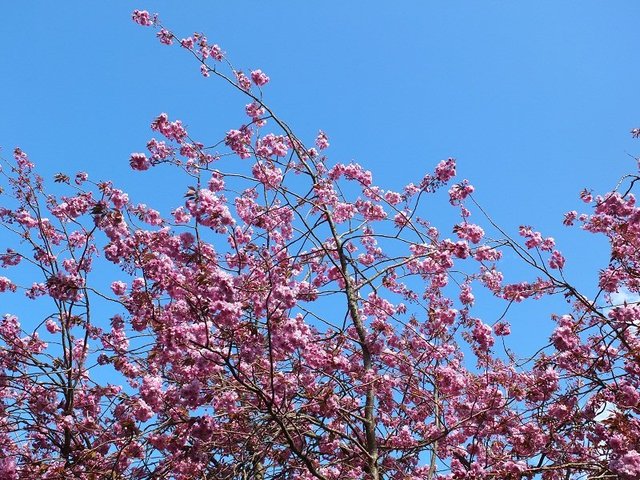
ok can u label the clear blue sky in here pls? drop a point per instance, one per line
(535, 99)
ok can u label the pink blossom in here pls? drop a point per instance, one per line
(352, 171)
(238, 141)
(466, 297)
(187, 43)
(586, 196)
(171, 130)
(210, 210)
(401, 219)
(267, 174)
(469, 231)
(10, 259)
(534, 239)
(446, 170)
(52, 326)
(181, 215)
(139, 161)
(216, 182)
(142, 17)
(450, 380)
(570, 217)
(459, 249)
(627, 395)
(272, 145)
(165, 36)
(118, 287)
(482, 334)
(343, 212)
(370, 211)
(216, 52)
(556, 260)
(259, 78)
(627, 465)
(393, 198)
(24, 219)
(322, 141)
(255, 111)
(22, 159)
(36, 290)
(65, 287)
(610, 278)
(72, 207)
(81, 177)
(459, 192)
(141, 411)
(517, 292)
(547, 244)
(151, 216)
(6, 285)
(243, 81)
(564, 338)
(502, 329)
(485, 252)
(118, 198)
(159, 150)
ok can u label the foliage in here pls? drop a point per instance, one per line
(292, 319)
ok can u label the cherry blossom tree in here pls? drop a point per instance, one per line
(292, 319)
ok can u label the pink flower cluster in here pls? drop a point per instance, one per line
(259, 78)
(535, 240)
(139, 161)
(243, 81)
(6, 285)
(446, 170)
(459, 192)
(165, 36)
(469, 231)
(171, 130)
(142, 17)
(322, 141)
(239, 141)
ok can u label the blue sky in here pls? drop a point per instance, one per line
(534, 99)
